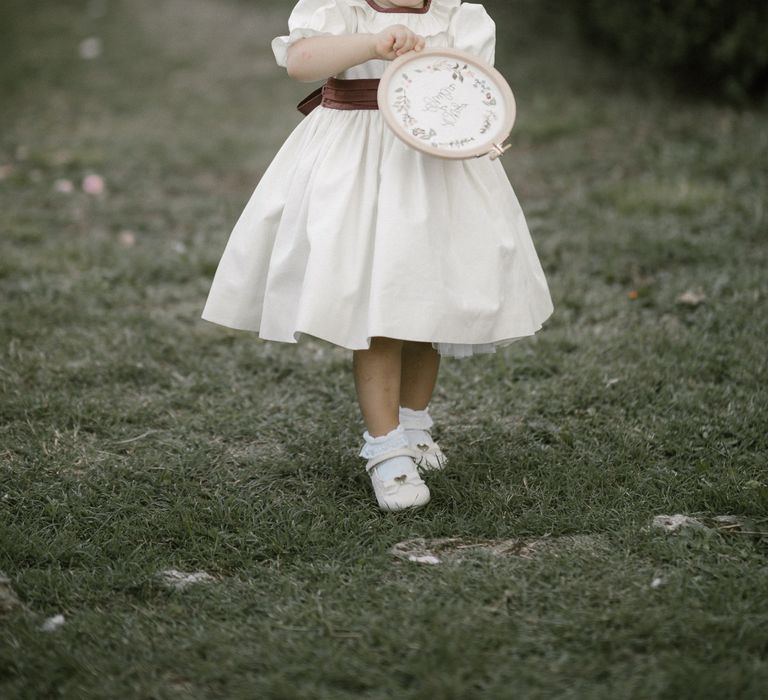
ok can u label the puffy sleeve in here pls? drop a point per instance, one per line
(472, 30)
(312, 18)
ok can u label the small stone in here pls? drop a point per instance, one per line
(181, 579)
(424, 559)
(691, 298)
(8, 599)
(90, 48)
(64, 185)
(672, 523)
(657, 582)
(52, 623)
(126, 238)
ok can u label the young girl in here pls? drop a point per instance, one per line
(353, 237)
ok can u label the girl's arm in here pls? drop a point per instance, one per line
(319, 57)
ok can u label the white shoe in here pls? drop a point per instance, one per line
(428, 455)
(406, 489)
(426, 452)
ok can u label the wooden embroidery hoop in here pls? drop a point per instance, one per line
(490, 143)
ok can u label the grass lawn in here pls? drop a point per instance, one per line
(136, 438)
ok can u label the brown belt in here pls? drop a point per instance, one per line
(356, 93)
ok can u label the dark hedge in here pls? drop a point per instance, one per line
(719, 47)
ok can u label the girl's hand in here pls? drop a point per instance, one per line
(396, 40)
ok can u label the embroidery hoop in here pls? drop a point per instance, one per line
(416, 94)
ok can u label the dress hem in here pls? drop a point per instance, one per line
(488, 345)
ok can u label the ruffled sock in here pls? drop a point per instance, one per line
(417, 423)
(394, 466)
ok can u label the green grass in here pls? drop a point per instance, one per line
(135, 437)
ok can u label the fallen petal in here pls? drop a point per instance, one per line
(93, 184)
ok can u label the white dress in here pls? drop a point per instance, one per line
(350, 233)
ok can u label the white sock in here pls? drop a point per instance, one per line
(394, 466)
(416, 424)
(419, 436)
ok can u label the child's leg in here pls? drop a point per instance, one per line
(418, 376)
(394, 474)
(420, 364)
(377, 380)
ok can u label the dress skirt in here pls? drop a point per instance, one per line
(350, 234)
